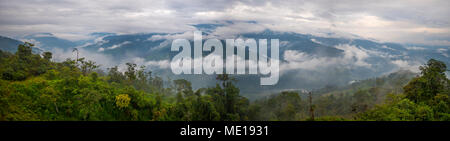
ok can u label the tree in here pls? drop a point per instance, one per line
(87, 66)
(431, 83)
(398, 108)
(183, 87)
(23, 64)
(426, 97)
(157, 83)
(76, 49)
(24, 51)
(131, 71)
(122, 101)
(115, 75)
(47, 55)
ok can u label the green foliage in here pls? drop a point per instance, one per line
(431, 83)
(23, 64)
(426, 98)
(399, 109)
(122, 100)
(32, 87)
(47, 55)
(287, 105)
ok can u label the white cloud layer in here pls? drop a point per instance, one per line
(108, 61)
(114, 46)
(412, 21)
(353, 57)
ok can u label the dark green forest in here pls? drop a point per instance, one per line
(34, 88)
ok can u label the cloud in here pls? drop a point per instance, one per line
(386, 47)
(353, 57)
(424, 22)
(108, 61)
(114, 46)
(163, 44)
(184, 35)
(43, 35)
(36, 44)
(152, 64)
(407, 65)
(443, 51)
(72, 37)
(233, 30)
(415, 48)
(354, 53)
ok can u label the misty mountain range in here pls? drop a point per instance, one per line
(307, 61)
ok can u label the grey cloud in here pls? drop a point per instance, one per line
(416, 21)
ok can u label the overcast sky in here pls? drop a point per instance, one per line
(402, 21)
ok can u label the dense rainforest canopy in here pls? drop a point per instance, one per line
(32, 87)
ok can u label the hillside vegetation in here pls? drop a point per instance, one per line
(32, 87)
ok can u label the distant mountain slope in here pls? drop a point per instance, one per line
(8, 44)
(391, 83)
(47, 41)
(307, 61)
(340, 102)
(132, 45)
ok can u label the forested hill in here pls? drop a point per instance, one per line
(334, 103)
(32, 87)
(306, 61)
